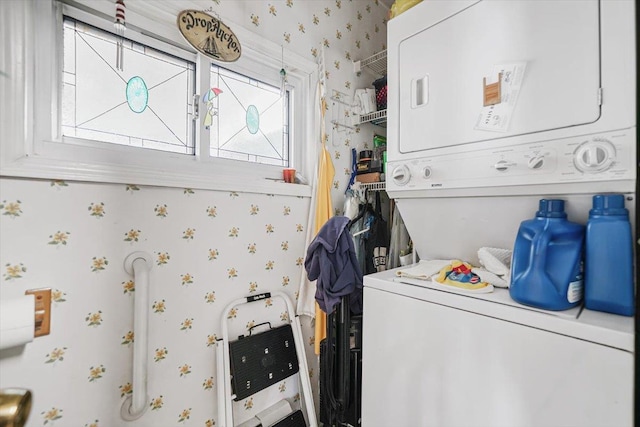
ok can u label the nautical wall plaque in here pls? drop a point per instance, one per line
(209, 35)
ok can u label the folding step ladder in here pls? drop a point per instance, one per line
(257, 361)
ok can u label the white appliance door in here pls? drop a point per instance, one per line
(426, 364)
(441, 71)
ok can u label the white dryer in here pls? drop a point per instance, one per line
(567, 73)
(567, 111)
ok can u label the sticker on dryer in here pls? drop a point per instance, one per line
(496, 117)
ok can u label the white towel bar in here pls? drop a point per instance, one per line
(138, 264)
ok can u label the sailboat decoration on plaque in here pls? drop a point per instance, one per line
(209, 35)
(209, 46)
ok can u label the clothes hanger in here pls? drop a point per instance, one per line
(367, 208)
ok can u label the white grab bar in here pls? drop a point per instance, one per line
(138, 264)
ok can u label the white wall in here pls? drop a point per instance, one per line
(58, 367)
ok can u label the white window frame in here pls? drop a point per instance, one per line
(31, 144)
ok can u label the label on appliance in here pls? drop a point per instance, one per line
(496, 117)
(575, 291)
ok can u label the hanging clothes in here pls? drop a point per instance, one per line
(321, 209)
(400, 239)
(331, 260)
(356, 226)
(324, 211)
(326, 172)
(377, 241)
(360, 226)
(306, 303)
(324, 206)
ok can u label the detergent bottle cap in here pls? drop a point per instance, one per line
(551, 208)
(609, 204)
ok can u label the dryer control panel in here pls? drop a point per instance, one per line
(588, 158)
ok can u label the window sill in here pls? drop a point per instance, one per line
(196, 176)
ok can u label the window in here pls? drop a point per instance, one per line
(172, 117)
(250, 121)
(147, 104)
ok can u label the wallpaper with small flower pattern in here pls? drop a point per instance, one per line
(208, 248)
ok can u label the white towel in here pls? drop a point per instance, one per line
(496, 260)
(306, 304)
(497, 266)
(424, 269)
(489, 277)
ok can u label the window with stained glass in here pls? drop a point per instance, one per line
(148, 104)
(247, 119)
(166, 115)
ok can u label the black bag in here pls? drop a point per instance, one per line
(376, 245)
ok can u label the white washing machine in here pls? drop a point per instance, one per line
(436, 358)
(464, 179)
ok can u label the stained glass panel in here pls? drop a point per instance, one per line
(248, 119)
(146, 105)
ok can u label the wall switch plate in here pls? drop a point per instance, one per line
(42, 299)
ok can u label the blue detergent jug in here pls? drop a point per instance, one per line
(546, 269)
(609, 257)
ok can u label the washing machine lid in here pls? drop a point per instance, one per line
(593, 326)
(548, 53)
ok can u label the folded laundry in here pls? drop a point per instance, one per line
(495, 260)
(498, 262)
(492, 278)
(459, 274)
(423, 270)
(453, 273)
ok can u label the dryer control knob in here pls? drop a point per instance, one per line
(594, 156)
(401, 175)
(536, 162)
(426, 172)
(502, 165)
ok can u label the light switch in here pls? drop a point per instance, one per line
(42, 310)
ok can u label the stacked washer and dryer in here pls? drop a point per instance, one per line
(465, 171)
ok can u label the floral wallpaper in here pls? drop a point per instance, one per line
(208, 248)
